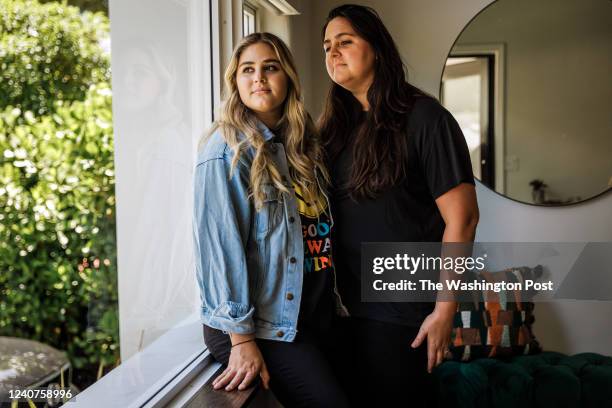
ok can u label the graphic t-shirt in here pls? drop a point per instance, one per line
(317, 305)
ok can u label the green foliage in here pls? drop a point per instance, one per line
(86, 5)
(58, 277)
(49, 52)
(57, 230)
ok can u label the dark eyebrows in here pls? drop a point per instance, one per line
(338, 35)
(264, 61)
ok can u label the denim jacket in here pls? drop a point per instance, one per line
(249, 263)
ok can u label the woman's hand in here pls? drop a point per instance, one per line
(245, 364)
(437, 328)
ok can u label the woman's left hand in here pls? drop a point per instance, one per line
(437, 328)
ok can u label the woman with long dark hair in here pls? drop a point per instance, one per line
(400, 171)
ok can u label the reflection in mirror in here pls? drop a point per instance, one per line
(529, 84)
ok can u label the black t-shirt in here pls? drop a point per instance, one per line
(438, 160)
(317, 305)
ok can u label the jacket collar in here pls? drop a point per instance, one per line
(265, 131)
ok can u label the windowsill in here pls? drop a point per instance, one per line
(156, 374)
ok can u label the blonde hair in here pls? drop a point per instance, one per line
(301, 139)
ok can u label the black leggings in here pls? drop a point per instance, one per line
(377, 366)
(300, 375)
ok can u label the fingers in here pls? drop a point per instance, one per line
(440, 357)
(238, 378)
(224, 378)
(231, 379)
(431, 357)
(248, 379)
(435, 356)
(419, 338)
(265, 377)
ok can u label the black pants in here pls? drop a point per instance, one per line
(300, 374)
(377, 366)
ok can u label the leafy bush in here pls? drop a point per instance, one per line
(58, 279)
(90, 5)
(57, 230)
(49, 52)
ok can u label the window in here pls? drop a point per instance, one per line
(249, 15)
(62, 239)
(58, 264)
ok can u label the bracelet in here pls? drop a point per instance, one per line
(242, 342)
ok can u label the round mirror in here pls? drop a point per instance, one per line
(529, 83)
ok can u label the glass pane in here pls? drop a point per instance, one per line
(161, 75)
(58, 263)
(62, 213)
(251, 23)
(248, 21)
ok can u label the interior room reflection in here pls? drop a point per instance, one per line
(529, 84)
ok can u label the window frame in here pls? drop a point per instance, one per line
(154, 376)
(248, 8)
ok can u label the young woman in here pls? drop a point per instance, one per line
(400, 171)
(262, 233)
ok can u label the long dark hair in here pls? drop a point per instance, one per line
(380, 146)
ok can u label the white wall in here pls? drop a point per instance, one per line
(273, 23)
(558, 92)
(425, 31)
(303, 35)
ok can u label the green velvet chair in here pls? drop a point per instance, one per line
(547, 379)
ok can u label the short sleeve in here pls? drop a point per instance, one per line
(443, 152)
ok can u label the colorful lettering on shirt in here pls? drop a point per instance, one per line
(316, 231)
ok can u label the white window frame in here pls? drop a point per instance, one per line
(248, 8)
(156, 375)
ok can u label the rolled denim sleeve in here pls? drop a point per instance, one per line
(222, 219)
